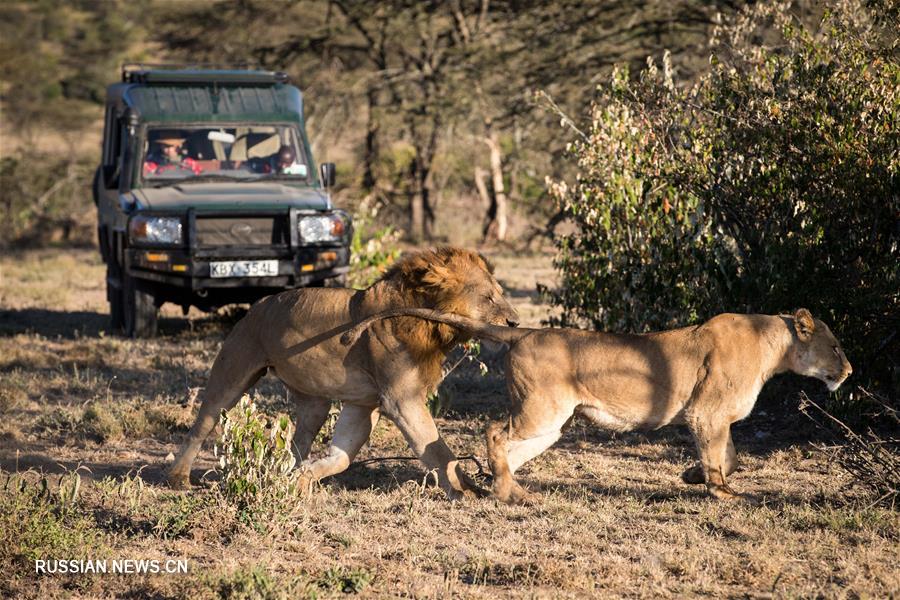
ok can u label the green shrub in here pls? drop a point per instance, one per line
(255, 456)
(372, 249)
(772, 183)
(100, 423)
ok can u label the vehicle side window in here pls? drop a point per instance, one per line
(122, 150)
(111, 145)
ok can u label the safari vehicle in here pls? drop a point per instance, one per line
(207, 194)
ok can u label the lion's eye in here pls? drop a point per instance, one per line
(835, 350)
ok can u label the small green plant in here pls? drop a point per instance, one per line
(255, 457)
(345, 580)
(372, 249)
(38, 520)
(177, 516)
(247, 584)
(59, 420)
(256, 583)
(327, 429)
(100, 423)
(439, 400)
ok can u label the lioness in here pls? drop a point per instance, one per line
(706, 377)
(295, 333)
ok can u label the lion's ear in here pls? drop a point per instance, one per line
(804, 324)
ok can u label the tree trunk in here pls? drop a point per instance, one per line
(416, 205)
(428, 221)
(371, 157)
(489, 226)
(481, 186)
(497, 215)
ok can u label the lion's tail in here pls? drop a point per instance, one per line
(479, 329)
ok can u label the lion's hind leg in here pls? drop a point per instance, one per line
(310, 414)
(511, 444)
(352, 430)
(232, 374)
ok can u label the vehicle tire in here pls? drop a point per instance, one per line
(114, 297)
(139, 308)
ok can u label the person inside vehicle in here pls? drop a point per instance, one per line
(284, 161)
(166, 155)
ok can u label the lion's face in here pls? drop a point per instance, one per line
(462, 282)
(817, 352)
(483, 299)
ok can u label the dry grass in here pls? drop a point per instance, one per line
(615, 519)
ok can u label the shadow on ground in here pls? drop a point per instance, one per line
(44, 463)
(79, 324)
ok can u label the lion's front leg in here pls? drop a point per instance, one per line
(695, 476)
(712, 443)
(411, 416)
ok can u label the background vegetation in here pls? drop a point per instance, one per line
(772, 182)
(427, 107)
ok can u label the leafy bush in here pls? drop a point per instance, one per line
(372, 249)
(46, 198)
(772, 183)
(100, 423)
(255, 457)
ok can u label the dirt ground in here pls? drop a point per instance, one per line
(615, 519)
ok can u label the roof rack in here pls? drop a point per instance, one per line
(199, 73)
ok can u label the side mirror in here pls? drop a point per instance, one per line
(110, 176)
(327, 170)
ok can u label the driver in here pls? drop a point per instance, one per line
(167, 155)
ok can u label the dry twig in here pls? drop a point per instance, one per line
(872, 460)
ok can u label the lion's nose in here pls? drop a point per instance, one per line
(512, 323)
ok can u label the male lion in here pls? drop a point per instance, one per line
(707, 377)
(295, 333)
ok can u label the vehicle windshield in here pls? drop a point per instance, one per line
(241, 152)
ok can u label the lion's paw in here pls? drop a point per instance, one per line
(724, 492)
(517, 494)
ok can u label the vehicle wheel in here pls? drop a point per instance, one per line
(139, 308)
(114, 297)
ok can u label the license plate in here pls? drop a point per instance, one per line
(244, 268)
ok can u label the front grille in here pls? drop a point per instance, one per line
(243, 231)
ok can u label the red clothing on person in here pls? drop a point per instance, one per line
(151, 167)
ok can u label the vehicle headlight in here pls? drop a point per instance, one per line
(322, 228)
(155, 230)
